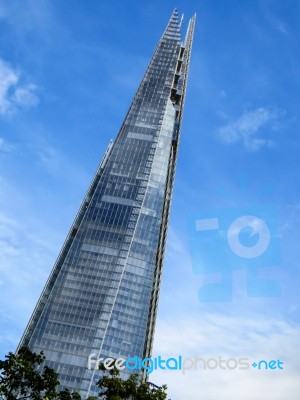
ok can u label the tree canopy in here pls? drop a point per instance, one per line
(115, 388)
(23, 376)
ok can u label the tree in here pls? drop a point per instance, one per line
(112, 387)
(21, 379)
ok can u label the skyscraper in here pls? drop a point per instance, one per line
(102, 294)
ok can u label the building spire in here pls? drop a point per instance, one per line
(173, 27)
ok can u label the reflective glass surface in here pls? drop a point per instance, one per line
(102, 294)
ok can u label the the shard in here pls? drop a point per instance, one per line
(102, 294)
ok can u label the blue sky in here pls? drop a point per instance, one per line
(68, 71)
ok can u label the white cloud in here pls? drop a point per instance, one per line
(246, 128)
(25, 259)
(14, 93)
(32, 16)
(211, 335)
(8, 79)
(6, 147)
(57, 164)
(276, 23)
(246, 327)
(2, 11)
(25, 96)
(28, 247)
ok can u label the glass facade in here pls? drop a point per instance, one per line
(102, 294)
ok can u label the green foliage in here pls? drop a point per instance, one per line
(114, 388)
(67, 395)
(21, 379)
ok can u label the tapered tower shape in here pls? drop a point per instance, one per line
(101, 297)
